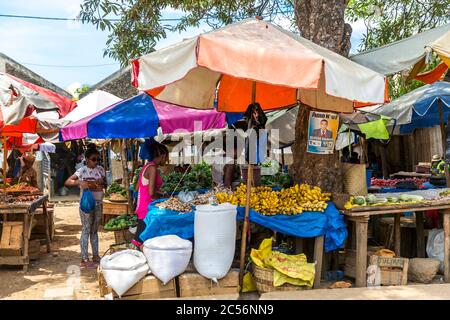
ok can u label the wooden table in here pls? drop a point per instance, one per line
(27, 210)
(404, 174)
(360, 216)
(112, 209)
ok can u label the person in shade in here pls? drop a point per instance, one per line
(90, 176)
(149, 186)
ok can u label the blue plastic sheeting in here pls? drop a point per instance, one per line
(306, 225)
(233, 117)
(132, 118)
(425, 113)
(161, 222)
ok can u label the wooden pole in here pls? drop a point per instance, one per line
(444, 141)
(125, 181)
(5, 159)
(247, 204)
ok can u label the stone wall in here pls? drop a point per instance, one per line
(118, 84)
(13, 68)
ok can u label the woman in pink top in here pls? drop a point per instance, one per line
(149, 185)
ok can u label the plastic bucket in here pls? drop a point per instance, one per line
(368, 176)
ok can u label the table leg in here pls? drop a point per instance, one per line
(420, 235)
(47, 228)
(446, 214)
(26, 238)
(397, 234)
(361, 250)
(318, 255)
(298, 245)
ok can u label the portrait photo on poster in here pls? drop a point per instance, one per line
(322, 132)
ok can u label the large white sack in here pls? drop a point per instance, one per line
(123, 269)
(215, 239)
(167, 256)
(435, 246)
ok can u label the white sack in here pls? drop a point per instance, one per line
(215, 239)
(124, 269)
(167, 256)
(435, 246)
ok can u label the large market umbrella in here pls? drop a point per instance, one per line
(255, 61)
(423, 107)
(420, 108)
(90, 104)
(140, 117)
(21, 104)
(283, 66)
(401, 55)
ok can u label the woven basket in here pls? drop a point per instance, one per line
(355, 183)
(340, 199)
(264, 281)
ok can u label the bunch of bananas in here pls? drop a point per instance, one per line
(289, 201)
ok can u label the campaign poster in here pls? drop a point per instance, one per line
(322, 132)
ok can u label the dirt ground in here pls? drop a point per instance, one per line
(58, 269)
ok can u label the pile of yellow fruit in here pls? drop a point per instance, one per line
(289, 201)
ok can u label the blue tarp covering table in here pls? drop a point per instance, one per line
(306, 225)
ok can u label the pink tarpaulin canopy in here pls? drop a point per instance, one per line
(173, 118)
(139, 117)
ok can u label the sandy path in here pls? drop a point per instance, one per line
(51, 270)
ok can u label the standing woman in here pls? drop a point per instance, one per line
(91, 176)
(149, 186)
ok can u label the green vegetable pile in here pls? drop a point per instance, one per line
(121, 222)
(199, 177)
(116, 188)
(280, 179)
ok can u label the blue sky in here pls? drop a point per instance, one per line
(70, 43)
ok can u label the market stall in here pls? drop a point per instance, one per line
(248, 76)
(423, 107)
(23, 203)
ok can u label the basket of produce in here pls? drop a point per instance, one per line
(120, 223)
(117, 193)
(264, 281)
(21, 188)
(340, 199)
(197, 178)
(279, 179)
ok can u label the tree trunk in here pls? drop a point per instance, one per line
(321, 21)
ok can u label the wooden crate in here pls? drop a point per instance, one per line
(34, 249)
(146, 289)
(113, 209)
(11, 242)
(394, 271)
(39, 223)
(123, 236)
(350, 260)
(104, 289)
(194, 284)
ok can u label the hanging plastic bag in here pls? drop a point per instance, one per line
(87, 202)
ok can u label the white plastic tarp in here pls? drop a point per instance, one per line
(400, 55)
(90, 104)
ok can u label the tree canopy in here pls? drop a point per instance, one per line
(136, 26)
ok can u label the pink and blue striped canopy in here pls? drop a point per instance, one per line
(139, 117)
